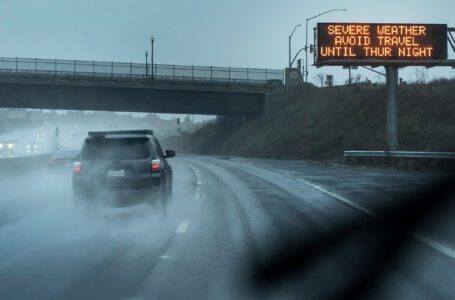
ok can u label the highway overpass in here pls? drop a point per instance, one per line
(133, 87)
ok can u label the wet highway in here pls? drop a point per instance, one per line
(235, 228)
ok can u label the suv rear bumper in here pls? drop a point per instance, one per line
(121, 198)
(87, 184)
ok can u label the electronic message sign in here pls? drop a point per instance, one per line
(374, 41)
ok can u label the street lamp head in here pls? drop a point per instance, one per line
(323, 13)
(146, 52)
(298, 25)
(152, 38)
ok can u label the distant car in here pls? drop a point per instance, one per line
(7, 148)
(122, 161)
(32, 148)
(63, 159)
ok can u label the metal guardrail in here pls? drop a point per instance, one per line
(415, 160)
(400, 154)
(99, 69)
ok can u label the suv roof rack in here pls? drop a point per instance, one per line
(104, 133)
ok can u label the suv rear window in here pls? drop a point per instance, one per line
(116, 149)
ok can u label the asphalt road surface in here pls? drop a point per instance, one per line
(236, 228)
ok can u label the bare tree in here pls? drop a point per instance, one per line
(319, 79)
(421, 74)
(379, 79)
(357, 78)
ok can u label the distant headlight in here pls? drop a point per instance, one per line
(28, 146)
(35, 146)
(1, 146)
(10, 146)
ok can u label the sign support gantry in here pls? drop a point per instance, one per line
(392, 85)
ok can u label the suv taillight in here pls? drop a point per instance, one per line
(156, 166)
(77, 166)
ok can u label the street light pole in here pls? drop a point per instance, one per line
(306, 51)
(290, 36)
(146, 62)
(152, 40)
(306, 37)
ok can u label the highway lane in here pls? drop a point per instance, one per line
(229, 219)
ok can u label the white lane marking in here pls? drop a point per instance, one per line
(441, 248)
(198, 196)
(165, 257)
(338, 197)
(433, 244)
(183, 227)
(197, 173)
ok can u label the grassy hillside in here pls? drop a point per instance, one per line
(315, 123)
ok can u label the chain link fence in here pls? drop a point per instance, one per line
(79, 68)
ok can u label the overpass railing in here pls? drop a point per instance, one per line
(75, 68)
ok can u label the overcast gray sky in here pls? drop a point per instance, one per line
(237, 33)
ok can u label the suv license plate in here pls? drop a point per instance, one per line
(112, 173)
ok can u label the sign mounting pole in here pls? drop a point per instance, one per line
(391, 127)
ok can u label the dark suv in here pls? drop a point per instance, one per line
(122, 162)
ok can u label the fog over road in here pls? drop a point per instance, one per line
(228, 220)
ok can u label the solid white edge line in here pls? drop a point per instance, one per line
(433, 244)
(183, 227)
(441, 248)
(341, 198)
